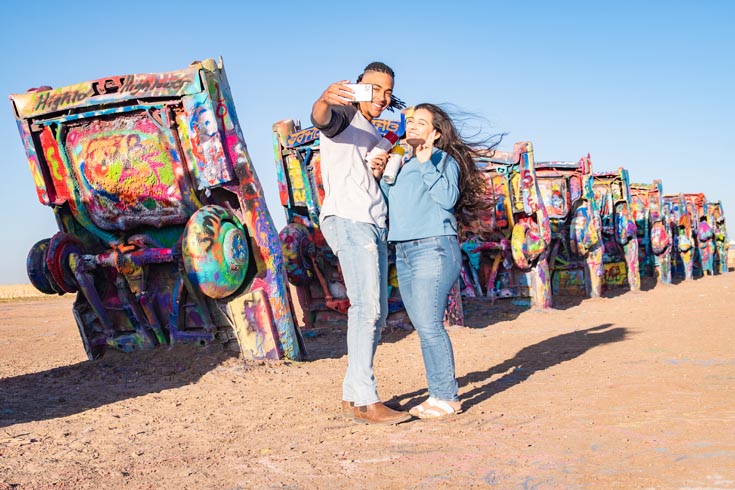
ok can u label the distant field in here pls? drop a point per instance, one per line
(21, 291)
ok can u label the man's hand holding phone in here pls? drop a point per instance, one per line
(362, 92)
(345, 93)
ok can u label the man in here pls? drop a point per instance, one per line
(353, 221)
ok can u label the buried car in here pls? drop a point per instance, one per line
(653, 230)
(164, 233)
(506, 250)
(681, 224)
(620, 255)
(575, 255)
(704, 260)
(722, 241)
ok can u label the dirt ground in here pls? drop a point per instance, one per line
(634, 390)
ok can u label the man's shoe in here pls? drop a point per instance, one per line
(377, 413)
(348, 409)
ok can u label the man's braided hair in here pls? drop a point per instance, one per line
(395, 102)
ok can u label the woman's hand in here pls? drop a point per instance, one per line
(378, 163)
(423, 150)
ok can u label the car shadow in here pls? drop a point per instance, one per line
(648, 282)
(483, 312)
(75, 388)
(331, 342)
(529, 360)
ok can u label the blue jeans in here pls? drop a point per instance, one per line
(362, 251)
(427, 270)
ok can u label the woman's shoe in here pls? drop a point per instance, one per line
(433, 408)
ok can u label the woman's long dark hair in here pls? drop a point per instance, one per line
(472, 184)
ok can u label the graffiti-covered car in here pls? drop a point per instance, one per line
(682, 231)
(575, 256)
(506, 250)
(653, 230)
(620, 255)
(312, 268)
(703, 233)
(164, 234)
(722, 241)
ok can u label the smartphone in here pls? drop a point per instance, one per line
(363, 91)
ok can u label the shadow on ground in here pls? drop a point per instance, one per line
(331, 342)
(86, 385)
(529, 360)
(483, 312)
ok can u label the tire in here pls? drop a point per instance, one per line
(215, 252)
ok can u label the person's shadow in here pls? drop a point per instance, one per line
(527, 361)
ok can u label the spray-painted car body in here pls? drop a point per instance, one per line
(164, 233)
(575, 256)
(312, 267)
(620, 246)
(506, 251)
(653, 230)
(722, 241)
(682, 226)
(704, 235)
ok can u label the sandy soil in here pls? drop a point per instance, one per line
(628, 391)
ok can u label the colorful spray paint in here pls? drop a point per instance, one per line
(575, 257)
(703, 234)
(164, 233)
(506, 251)
(653, 230)
(682, 231)
(620, 254)
(722, 241)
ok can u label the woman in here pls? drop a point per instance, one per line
(438, 182)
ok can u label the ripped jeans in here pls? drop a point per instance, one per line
(362, 251)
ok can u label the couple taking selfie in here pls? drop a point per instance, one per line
(437, 182)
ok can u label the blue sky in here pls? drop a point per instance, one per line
(644, 85)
